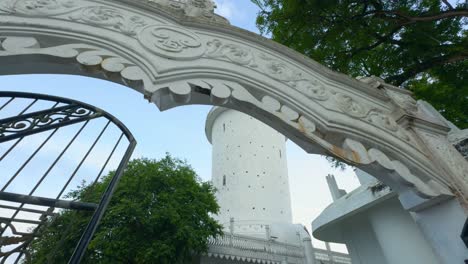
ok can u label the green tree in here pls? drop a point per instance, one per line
(160, 213)
(420, 45)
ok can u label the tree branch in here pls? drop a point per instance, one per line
(381, 39)
(406, 19)
(414, 69)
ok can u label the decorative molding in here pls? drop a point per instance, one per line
(399, 96)
(350, 106)
(232, 52)
(223, 92)
(109, 17)
(203, 9)
(37, 7)
(171, 42)
(175, 42)
(301, 82)
(366, 156)
(403, 100)
(191, 8)
(274, 68)
(167, 41)
(447, 154)
(89, 57)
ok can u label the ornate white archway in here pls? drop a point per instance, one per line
(179, 52)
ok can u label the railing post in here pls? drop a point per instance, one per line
(330, 253)
(231, 230)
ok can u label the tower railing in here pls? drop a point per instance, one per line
(258, 250)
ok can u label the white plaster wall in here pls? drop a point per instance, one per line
(442, 225)
(361, 242)
(249, 170)
(399, 237)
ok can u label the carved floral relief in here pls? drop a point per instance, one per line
(445, 151)
(310, 87)
(109, 17)
(37, 7)
(171, 42)
(274, 68)
(350, 106)
(232, 52)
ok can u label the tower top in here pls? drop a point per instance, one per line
(212, 115)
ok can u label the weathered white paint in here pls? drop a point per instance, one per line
(249, 169)
(398, 235)
(336, 192)
(361, 242)
(179, 52)
(441, 226)
(377, 229)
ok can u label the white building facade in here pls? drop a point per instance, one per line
(379, 226)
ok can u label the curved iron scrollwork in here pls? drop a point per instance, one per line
(60, 113)
(23, 125)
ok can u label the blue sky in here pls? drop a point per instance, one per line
(180, 131)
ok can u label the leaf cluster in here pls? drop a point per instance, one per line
(160, 213)
(417, 44)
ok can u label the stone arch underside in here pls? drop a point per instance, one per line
(177, 60)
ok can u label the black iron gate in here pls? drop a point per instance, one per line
(48, 146)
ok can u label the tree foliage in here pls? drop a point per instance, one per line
(421, 45)
(160, 213)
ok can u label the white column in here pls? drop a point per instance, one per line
(399, 237)
(249, 168)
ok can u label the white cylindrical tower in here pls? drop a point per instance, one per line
(249, 169)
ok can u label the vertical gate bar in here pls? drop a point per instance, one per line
(108, 159)
(27, 162)
(11, 148)
(29, 159)
(58, 158)
(84, 158)
(7, 103)
(27, 107)
(92, 226)
(48, 171)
